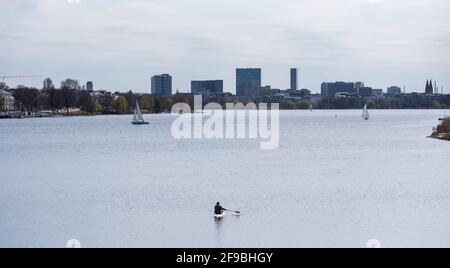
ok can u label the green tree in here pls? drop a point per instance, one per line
(158, 106)
(148, 103)
(69, 97)
(121, 105)
(48, 84)
(55, 99)
(107, 103)
(341, 103)
(436, 105)
(167, 104)
(287, 105)
(28, 97)
(87, 103)
(303, 105)
(69, 91)
(43, 100)
(131, 100)
(70, 84)
(98, 107)
(3, 86)
(371, 104)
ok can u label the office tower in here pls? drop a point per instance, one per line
(247, 79)
(207, 87)
(162, 85)
(294, 79)
(90, 86)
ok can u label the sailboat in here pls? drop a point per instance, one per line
(365, 114)
(138, 119)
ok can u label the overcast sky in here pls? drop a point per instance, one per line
(120, 44)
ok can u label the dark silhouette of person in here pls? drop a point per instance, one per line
(218, 209)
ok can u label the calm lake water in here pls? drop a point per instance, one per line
(333, 182)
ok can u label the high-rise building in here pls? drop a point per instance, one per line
(90, 86)
(162, 85)
(394, 90)
(330, 89)
(247, 79)
(207, 87)
(294, 79)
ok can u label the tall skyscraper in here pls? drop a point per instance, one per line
(247, 79)
(90, 86)
(294, 79)
(162, 85)
(207, 87)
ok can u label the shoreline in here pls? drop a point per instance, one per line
(17, 115)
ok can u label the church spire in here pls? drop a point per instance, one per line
(429, 89)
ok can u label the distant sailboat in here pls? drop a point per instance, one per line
(138, 119)
(365, 114)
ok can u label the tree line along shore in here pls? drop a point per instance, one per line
(71, 99)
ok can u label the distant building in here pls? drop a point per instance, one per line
(247, 79)
(331, 89)
(377, 92)
(207, 87)
(162, 85)
(358, 85)
(365, 91)
(299, 93)
(7, 100)
(294, 79)
(394, 90)
(345, 95)
(265, 91)
(90, 86)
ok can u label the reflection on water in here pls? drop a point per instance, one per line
(218, 226)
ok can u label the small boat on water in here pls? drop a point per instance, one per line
(365, 114)
(138, 119)
(219, 216)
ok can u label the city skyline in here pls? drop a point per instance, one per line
(112, 43)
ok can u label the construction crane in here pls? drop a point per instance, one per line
(19, 77)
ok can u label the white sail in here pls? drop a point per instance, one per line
(365, 114)
(139, 113)
(138, 119)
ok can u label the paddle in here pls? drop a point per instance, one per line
(237, 212)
